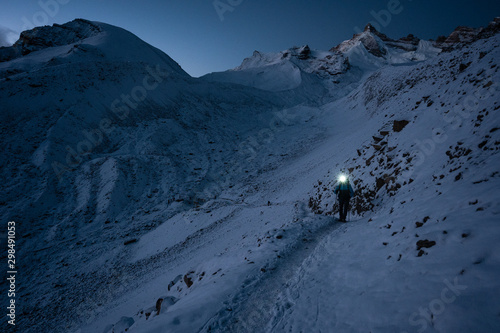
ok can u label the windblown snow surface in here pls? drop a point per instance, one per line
(149, 201)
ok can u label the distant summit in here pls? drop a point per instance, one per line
(80, 41)
(461, 35)
(303, 69)
(464, 35)
(40, 38)
(369, 38)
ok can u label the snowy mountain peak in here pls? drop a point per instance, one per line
(259, 59)
(40, 38)
(304, 52)
(493, 26)
(377, 43)
(295, 68)
(370, 28)
(80, 41)
(369, 38)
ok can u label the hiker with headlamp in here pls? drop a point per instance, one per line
(344, 192)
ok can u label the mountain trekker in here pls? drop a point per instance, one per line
(344, 193)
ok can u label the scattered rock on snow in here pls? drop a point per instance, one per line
(425, 243)
(398, 125)
(158, 305)
(188, 280)
(130, 241)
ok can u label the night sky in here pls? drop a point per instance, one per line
(204, 36)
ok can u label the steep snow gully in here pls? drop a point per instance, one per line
(150, 201)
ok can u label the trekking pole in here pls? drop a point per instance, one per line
(349, 214)
(336, 205)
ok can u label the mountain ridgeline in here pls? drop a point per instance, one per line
(137, 188)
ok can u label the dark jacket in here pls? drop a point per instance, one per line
(344, 191)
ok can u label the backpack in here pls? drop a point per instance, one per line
(344, 193)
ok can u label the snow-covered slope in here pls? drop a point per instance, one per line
(208, 207)
(422, 252)
(104, 138)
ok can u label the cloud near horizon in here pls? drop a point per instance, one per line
(7, 36)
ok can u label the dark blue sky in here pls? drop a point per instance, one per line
(193, 34)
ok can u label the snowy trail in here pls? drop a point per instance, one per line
(257, 303)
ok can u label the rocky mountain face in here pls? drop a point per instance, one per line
(41, 38)
(376, 42)
(466, 35)
(371, 39)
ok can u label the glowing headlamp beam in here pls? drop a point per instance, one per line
(342, 178)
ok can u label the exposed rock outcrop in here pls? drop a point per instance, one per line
(49, 36)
